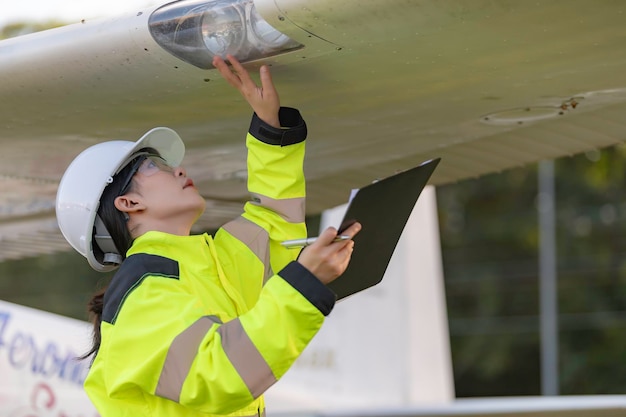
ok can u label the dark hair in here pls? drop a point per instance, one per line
(116, 224)
(95, 307)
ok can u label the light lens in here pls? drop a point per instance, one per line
(224, 30)
(195, 31)
(264, 33)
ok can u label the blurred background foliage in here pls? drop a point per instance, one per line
(23, 28)
(490, 248)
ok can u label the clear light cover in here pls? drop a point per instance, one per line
(195, 31)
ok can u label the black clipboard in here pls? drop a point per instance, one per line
(382, 208)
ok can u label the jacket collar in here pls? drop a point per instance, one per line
(178, 248)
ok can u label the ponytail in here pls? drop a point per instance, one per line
(95, 307)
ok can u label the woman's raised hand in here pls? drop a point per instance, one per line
(264, 100)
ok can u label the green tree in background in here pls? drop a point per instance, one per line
(24, 28)
(61, 283)
(488, 232)
(591, 233)
(489, 236)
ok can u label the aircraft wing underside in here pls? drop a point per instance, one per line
(383, 86)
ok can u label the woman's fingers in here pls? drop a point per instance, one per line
(235, 74)
(267, 84)
(352, 230)
(241, 72)
(264, 100)
(326, 237)
(226, 72)
(327, 259)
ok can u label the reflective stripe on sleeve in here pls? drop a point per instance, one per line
(245, 358)
(290, 209)
(180, 357)
(238, 347)
(255, 238)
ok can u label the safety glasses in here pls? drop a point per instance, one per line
(146, 165)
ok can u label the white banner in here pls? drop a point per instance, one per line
(40, 375)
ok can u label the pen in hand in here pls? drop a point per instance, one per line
(299, 243)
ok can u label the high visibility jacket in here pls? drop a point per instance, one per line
(202, 326)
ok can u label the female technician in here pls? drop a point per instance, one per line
(192, 325)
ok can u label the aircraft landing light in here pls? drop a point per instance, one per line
(196, 31)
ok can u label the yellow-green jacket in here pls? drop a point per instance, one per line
(196, 326)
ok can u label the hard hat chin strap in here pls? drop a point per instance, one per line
(104, 241)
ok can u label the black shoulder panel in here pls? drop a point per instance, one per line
(130, 275)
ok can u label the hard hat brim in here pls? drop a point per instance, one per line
(167, 142)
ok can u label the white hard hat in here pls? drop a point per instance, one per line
(84, 181)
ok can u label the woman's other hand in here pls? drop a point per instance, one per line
(327, 259)
(264, 100)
